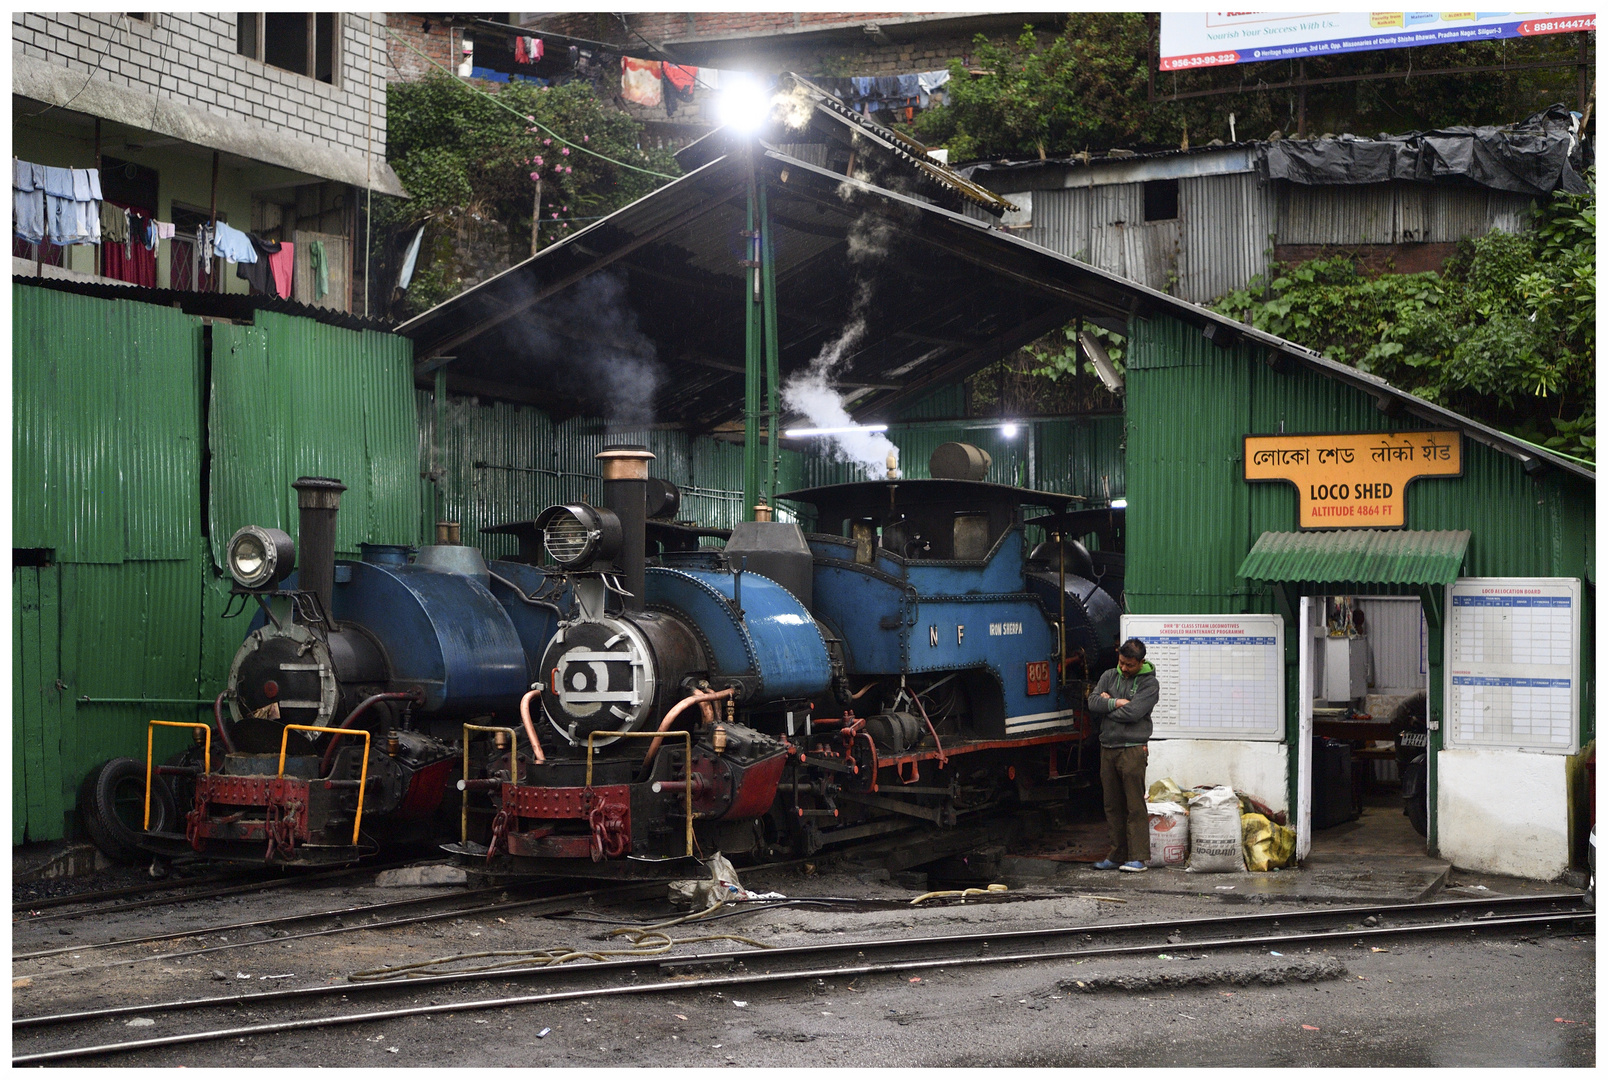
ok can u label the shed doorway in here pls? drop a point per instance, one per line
(1364, 683)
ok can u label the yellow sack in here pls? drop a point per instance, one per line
(1268, 845)
(1167, 791)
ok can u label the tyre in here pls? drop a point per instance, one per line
(117, 809)
(1418, 815)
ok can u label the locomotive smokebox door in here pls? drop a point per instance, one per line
(600, 677)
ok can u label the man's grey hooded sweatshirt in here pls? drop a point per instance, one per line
(1125, 725)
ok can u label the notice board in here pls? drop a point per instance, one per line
(1222, 676)
(1513, 663)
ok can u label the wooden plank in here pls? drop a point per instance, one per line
(27, 676)
(19, 771)
(59, 736)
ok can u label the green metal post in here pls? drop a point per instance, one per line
(773, 351)
(439, 480)
(753, 365)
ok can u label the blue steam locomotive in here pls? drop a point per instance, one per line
(619, 694)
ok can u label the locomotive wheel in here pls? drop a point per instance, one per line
(117, 808)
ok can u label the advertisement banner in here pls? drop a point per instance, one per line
(1215, 38)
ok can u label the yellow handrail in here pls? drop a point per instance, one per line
(513, 744)
(149, 734)
(362, 778)
(687, 762)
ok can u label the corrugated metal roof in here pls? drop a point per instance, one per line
(951, 295)
(239, 307)
(1374, 556)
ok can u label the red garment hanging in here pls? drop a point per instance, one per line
(282, 263)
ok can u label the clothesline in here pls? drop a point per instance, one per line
(65, 207)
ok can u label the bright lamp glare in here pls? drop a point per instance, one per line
(1119, 504)
(1009, 431)
(805, 432)
(744, 105)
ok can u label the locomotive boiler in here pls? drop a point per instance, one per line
(340, 724)
(908, 662)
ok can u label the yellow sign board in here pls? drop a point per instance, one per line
(1353, 481)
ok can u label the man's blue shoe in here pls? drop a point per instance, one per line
(1135, 867)
(1105, 864)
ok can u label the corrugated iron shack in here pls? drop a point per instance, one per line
(1202, 221)
(868, 254)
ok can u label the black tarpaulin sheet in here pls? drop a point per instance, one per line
(1536, 156)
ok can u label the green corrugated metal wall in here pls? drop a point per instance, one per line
(1192, 517)
(108, 448)
(501, 463)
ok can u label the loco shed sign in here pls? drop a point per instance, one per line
(1353, 481)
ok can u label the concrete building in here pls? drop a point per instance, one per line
(274, 122)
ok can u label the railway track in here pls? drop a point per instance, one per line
(830, 960)
(177, 893)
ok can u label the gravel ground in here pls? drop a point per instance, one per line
(1491, 1000)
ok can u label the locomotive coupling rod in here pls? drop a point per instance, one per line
(149, 733)
(687, 764)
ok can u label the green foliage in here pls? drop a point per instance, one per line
(1506, 335)
(459, 152)
(1088, 87)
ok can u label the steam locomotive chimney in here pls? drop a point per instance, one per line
(625, 491)
(318, 498)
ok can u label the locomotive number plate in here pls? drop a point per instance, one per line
(1038, 677)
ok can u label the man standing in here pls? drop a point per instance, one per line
(1123, 699)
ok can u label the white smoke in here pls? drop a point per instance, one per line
(811, 393)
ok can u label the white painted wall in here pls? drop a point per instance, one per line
(1259, 769)
(1504, 812)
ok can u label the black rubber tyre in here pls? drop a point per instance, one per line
(117, 809)
(1417, 814)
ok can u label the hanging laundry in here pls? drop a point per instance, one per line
(28, 201)
(114, 224)
(233, 245)
(410, 260)
(128, 262)
(319, 261)
(283, 265)
(535, 49)
(258, 271)
(678, 85)
(932, 80)
(640, 81)
(164, 229)
(520, 55)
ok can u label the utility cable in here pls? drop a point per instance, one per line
(526, 117)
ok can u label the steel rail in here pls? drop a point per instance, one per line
(684, 985)
(333, 913)
(45, 903)
(562, 898)
(271, 883)
(772, 954)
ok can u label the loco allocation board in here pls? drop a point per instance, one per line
(1513, 663)
(1222, 676)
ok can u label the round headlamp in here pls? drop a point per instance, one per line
(577, 535)
(260, 558)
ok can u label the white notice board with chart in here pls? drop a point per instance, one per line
(1513, 663)
(1222, 676)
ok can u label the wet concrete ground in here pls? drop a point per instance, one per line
(1491, 999)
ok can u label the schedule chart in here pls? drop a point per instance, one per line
(1513, 657)
(1222, 677)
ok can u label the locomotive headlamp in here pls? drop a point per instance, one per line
(577, 535)
(259, 558)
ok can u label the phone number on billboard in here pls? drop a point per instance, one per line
(1172, 63)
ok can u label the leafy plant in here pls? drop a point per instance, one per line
(1506, 334)
(460, 153)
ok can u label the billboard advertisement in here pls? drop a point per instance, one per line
(1211, 39)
